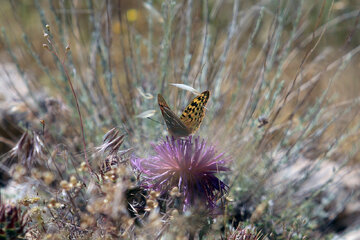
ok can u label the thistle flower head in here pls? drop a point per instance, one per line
(187, 164)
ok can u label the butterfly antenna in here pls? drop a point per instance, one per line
(197, 74)
(155, 120)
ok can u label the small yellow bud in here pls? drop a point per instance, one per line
(58, 205)
(47, 27)
(28, 201)
(64, 185)
(73, 180)
(151, 204)
(229, 199)
(175, 213)
(52, 203)
(48, 177)
(154, 194)
(175, 192)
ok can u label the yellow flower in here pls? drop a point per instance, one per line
(132, 15)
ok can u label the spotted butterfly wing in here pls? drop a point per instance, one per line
(194, 113)
(175, 126)
(190, 119)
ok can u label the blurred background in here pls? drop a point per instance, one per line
(284, 83)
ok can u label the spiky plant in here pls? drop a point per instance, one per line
(188, 164)
(12, 222)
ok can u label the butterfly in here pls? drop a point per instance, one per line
(190, 118)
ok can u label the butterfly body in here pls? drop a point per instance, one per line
(191, 118)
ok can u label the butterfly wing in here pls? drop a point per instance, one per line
(194, 113)
(175, 126)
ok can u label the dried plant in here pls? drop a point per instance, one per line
(29, 149)
(12, 222)
(244, 234)
(111, 145)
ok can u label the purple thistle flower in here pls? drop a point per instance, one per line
(189, 165)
